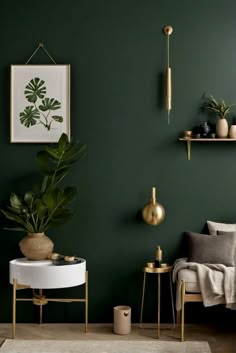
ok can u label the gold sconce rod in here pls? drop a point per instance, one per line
(168, 31)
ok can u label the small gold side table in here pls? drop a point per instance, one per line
(158, 271)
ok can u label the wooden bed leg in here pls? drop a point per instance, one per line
(178, 317)
(182, 309)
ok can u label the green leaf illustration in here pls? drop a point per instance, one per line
(57, 118)
(30, 116)
(50, 104)
(35, 89)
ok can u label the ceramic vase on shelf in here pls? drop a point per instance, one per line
(222, 128)
(232, 132)
(36, 246)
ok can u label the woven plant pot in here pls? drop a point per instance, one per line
(36, 246)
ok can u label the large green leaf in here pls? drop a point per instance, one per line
(13, 217)
(15, 201)
(52, 198)
(30, 116)
(69, 194)
(60, 217)
(49, 104)
(35, 89)
(15, 210)
(63, 142)
(41, 208)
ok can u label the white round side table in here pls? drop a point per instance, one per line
(40, 275)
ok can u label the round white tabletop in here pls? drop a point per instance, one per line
(45, 275)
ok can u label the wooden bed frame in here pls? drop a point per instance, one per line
(185, 298)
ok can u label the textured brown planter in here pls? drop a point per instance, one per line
(36, 246)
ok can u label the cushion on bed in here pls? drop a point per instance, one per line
(203, 248)
(213, 227)
(190, 279)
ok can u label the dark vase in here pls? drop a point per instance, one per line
(205, 129)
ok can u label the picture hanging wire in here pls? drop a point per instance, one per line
(168, 30)
(42, 47)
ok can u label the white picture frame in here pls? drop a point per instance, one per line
(40, 103)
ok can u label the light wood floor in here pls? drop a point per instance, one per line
(220, 339)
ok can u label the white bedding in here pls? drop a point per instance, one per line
(216, 282)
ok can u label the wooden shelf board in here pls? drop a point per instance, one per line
(207, 139)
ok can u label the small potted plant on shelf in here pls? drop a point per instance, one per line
(45, 206)
(222, 109)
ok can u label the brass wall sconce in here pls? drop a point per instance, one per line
(153, 213)
(168, 31)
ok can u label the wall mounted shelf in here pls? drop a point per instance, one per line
(190, 140)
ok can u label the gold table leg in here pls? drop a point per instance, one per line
(172, 300)
(40, 308)
(143, 294)
(14, 309)
(159, 305)
(182, 309)
(86, 302)
(41, 300)
(189, 150)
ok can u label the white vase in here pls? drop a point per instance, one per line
(222, 128)
(232, 132)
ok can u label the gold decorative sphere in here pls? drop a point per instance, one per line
(153, 213)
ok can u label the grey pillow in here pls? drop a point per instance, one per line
(213, 227)
(203, 248)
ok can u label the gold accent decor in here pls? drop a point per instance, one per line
(186, 298)
(153, 213)
(188, 140)
(168, 30)
(158, 271)
(40, 300)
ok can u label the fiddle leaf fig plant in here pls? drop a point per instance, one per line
(46, 205)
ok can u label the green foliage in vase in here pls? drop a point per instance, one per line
(41, 110)
(218, 106)
(46, 206)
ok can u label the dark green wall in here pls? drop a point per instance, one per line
(117, 52)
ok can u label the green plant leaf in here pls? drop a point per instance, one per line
(218, 106)
(35, 89)
(49, 104)
(13, 217)
(45, 205)
(57, 118)
(63, 142)
(14, 210)
(69, 194)
(60, 217)
(15, 201)
(41, 209)
(17, 229)
(28, 198)
(30, 116)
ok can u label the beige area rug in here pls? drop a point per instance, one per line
(92, 346)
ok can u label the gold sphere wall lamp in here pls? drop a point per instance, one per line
(153, 213)
(168, 31)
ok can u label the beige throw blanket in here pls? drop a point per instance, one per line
(216, 282)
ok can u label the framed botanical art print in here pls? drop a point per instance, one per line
(40, 103)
